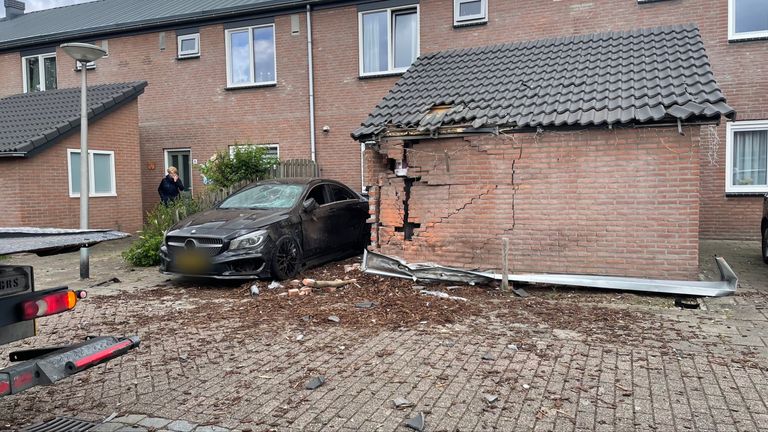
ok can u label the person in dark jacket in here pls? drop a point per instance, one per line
(170, 186)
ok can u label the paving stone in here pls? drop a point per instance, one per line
(130, 419)
(181, 426)
(154, 422)
(107, 427)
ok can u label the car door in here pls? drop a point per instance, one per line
(317, 224)
(349, 215)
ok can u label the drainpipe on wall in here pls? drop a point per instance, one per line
(310, 66)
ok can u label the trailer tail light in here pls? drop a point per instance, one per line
(111, 352)
(5, 385)
(50, 304)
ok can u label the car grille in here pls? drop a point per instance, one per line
(206, 245)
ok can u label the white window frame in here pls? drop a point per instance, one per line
(91, 177)
(188, 54)
(234, 147)
(40, 58)
(732, 35)
(730, 129)
(482, 17)
(390, 39)
(253, 82)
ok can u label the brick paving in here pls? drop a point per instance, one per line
(670, 370)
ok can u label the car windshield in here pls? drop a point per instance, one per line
(266, 196)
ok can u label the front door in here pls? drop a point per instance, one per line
(181, 160)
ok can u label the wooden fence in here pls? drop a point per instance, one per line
(284, 169)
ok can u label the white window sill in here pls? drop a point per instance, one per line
(382, 74)
(246, 86)
(94, 195)
(751, 190)
(745, 37)
(469, 23)
(188, 57)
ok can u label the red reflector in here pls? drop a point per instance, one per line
(23, 380)
(5, 387)
(97, 357)
(48, 305)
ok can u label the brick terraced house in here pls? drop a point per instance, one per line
(40, 157)
(300, 75)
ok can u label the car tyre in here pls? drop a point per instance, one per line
(765, 245)
(286, 260)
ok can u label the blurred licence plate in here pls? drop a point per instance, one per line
(192, 262)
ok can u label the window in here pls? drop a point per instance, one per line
(470, 12)
(101, 173)
(39, 72)
(747, 19)
(273, 150)
(339, 193)
(747, 156)
(188, 45)
(318, 193)
(389, 40)
(251, 56)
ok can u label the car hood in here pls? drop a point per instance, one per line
(221, 222)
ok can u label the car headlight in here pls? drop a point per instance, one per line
(249, 241)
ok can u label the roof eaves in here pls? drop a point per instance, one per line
(52, 136)
(150, 24)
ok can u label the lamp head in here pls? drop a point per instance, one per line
(83, 52)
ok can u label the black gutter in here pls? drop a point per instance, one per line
(208, 17)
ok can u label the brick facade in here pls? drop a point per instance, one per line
(622, 202)
(187, 105)
(36, 189)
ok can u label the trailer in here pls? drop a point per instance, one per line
(21, 305)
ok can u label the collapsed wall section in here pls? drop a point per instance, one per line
(611, 202)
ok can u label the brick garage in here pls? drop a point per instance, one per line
(621, 202)
(36, 183)
(586, 166)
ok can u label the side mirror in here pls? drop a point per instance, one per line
(310, 205)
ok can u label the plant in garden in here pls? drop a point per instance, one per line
(145, 251)
(246, 163)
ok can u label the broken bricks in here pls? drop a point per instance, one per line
(401, 403)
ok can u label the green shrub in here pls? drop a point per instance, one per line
(145, 251)
(246, 163)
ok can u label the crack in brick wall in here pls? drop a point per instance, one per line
(622, 202)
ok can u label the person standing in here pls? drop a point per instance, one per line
(170, 186)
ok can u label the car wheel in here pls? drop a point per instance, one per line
(765, 245)
(286, 260)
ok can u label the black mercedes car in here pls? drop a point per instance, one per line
(271, 228)
(764, 229)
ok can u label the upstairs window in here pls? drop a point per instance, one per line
(39, 72)
(389, 40)
(251, 56)
(747, 19)
(747, 157)
(467, 12)
(188, 45)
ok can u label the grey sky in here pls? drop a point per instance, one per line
(33, 5)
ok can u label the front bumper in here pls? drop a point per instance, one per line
(245, 264)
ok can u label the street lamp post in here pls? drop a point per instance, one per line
(84, 53)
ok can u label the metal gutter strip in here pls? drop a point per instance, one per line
(383, 265)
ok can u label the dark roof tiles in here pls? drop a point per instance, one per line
(31, 120)
(637, 76)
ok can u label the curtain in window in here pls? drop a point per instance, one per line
(750, 158)
(406, 39)
(50, 72)
(751, 15)
(33, 74)
(375, 42)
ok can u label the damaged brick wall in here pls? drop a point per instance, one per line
(623, 202)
